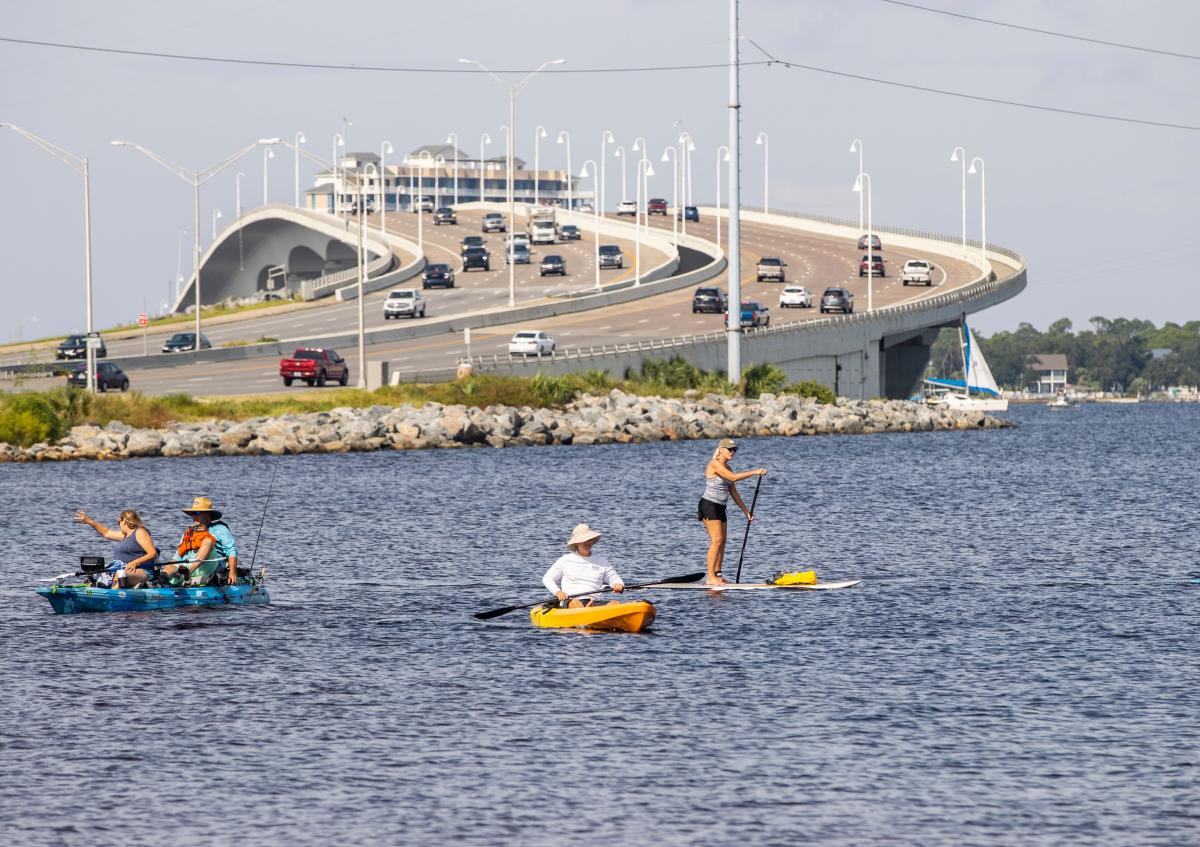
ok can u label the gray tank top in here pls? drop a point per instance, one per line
(716, 489)
(128, 549)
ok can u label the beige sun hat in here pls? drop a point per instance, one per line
(581, 533)
(202, 504)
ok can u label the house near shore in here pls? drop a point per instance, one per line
(1051, 371)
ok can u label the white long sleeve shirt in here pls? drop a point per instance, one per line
(575, 574)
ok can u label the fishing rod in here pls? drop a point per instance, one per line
(263, 522)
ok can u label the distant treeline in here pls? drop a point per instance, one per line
(1114, 355)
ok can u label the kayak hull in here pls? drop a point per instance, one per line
(632, 616)
(757, 586)
(74, 599)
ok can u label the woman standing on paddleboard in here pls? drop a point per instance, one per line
(719, 486)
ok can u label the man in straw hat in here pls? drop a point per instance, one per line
(208, 544)
(580, 571)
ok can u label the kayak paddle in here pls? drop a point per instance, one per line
(504, 610)
(746, 537)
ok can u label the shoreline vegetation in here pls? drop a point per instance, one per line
(664, 401)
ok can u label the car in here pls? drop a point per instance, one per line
(553, 264)
(627, 207)
(611, 256)
(917, 271)
(585, 206)
(444, 215)
(519, 239)
(530, 342)
(656, 206)
(183, 341)
(423, 204)
(75, 347)
(688, 213)
(519, 254)
(753, 314)
(493, 222)
(875, 245)
(476, 257)
(770, 268)
(709, 300)
(471, 241)
(438, 274)
(874, 263)
(569, 232)
(314, 365)
(837, 299)
(404, 303)
(108, 375)
(795, 297)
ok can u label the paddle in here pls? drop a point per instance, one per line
(504, 610)
(746, 537)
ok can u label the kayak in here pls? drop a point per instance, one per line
(70, 599)
(626, 616)
(758, 586)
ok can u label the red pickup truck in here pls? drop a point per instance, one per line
(656, 206)
(314, 365)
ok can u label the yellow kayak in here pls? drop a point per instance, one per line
(626, 616)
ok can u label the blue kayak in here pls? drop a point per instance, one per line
(69, 599)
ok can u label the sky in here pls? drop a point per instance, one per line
(1090, 203)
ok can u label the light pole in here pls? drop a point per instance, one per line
(856, 147)
(733, 328)
(766, 146)
(512, 128)
(237, 213)
(584, 174)
(686, 146)
(639, 146)
(982, 212)
(606, 138)
(362, 272)
(440, 161)
(452, 138)
(300, 139)
(338, 141)
(508, 185)
(196, 178)
(858, 186)
(384, 150)
(538, 135)
(80, 166)
(962, 160)
(720, 159)
(179, 260)
(564, 137)
(423, 157)
(674, 159)
(620, 154)
(644, 170)
(483, 140)
(216, 215)
(268, 153)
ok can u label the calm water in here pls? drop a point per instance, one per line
(1019, 666)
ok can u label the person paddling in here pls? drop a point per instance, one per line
(719, 486)
(581, 570)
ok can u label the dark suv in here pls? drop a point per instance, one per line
(688, 213)
(837, 299)
(610, 256)
(438, 274)
(709, 300)
(444, 215)
(182, 341)
(476, 257)
(108, 375)
(75, 347)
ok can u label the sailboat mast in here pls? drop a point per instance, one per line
(966, 351)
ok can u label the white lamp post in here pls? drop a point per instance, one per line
(766, 146)
(686, 146)
(300, 139)
(982, 213)
(237, 213)
(179, 260)
(639, 146)
(80, 166)
(440, 161)
(856, 147)
(484, 140)
(858, 186)
(338, 141)
(962, 160)
(720, 159)
(645, 170)
(619, 152)
(674, 159)
(508, 183)
(268, 153)
(363, 184)
(384, 150)
(216, 215)
(537, 145)
(452, 138)
(606, 138)
(422, 158)
(564, 137)
(584, 174)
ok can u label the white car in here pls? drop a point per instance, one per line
(517, 239)
(627, 207)
(531, 342)
(917, 271)
(424, 204)
(404, 303)
(795, 297)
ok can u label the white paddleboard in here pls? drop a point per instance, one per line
(756, 586)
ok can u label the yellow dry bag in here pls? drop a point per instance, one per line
(795, 578)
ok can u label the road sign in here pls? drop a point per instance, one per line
(143, 319)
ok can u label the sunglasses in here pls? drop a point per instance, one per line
(731, 449)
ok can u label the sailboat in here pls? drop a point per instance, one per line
(980, 392)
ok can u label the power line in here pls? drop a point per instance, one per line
(1051, 32)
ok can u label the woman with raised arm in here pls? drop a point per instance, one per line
(133, 560)
(720, 483)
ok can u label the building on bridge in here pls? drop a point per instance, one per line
(1051, 370)
(429, 171)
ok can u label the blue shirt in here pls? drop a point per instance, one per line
(226, 546)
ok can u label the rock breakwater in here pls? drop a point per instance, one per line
(615, 417)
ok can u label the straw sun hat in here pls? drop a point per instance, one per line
(581, 533)
(202, 504)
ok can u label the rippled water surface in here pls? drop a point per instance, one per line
(1018, 667)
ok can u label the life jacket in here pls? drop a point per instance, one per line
(193, 539)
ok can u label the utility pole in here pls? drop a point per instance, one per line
(733, 329)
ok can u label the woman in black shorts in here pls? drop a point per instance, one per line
(719, 485)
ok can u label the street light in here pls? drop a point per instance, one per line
(857, 147)
(424, 155)
(362, 271)
(300, 139)
(644, 170)
(508, 185)
(512, 126)
(268, 153)
(237, 213)
(564, 137)
(962, 160)
(858, 186)
(720, 159)
(439, 159)
(620, 154)
(483, 140)
(196, 178)
(80, 166)
(452, 138)
(584, 174)
(538, 135)
(216, 215)
(766, 146)
(639, 145)
(686, 146)
(674, 159)
(606, 138)
(384, 150)
(982, 212)
(179, 260)
(338, 141)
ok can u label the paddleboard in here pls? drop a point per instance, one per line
(756, 586)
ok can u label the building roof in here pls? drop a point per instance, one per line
(1049, 362)
(435, 150)
(321, 189)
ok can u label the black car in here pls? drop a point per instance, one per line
(553, 265)
(438, 274)
(471, 241)
(569, 232)
(709, 300)
(689, 213)
(108, 375)
(445, 215)
(476, 257)
(183, 341)
(837, 299)
(75, 347)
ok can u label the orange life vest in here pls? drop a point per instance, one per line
(193, 539)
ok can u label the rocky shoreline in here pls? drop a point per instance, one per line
(615, 417)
